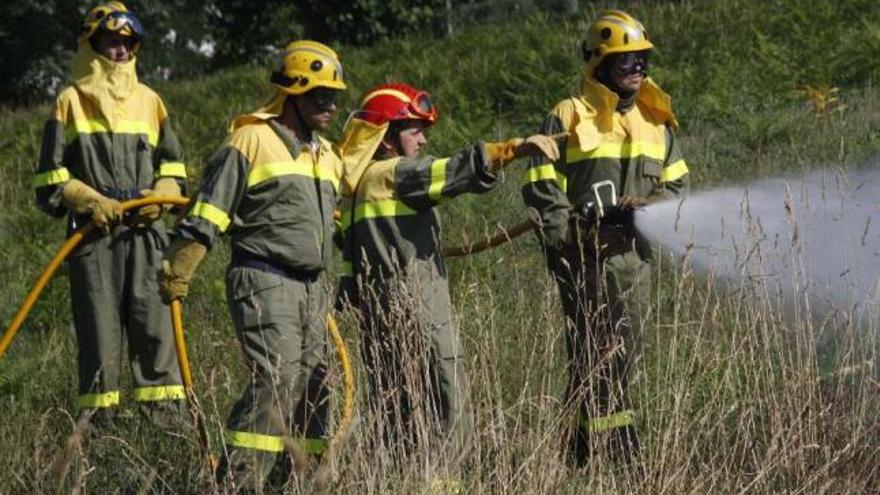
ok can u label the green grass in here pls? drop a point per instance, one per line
(730, 398)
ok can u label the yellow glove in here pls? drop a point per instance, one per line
(178, 266)
(540, 145)
(505, 152)
(164, 186)
(82, 199)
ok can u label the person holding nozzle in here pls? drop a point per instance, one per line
(272, 188)
(395, 275)
(108, 141)
(620, 155)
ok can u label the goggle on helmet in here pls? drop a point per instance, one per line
(113, 17)
(395, 102)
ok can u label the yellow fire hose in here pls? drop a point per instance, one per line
(177, 320)
(186, 375)
(60, 256)
(348, 382)
(504, 237)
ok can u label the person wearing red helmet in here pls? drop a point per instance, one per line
(394, 272)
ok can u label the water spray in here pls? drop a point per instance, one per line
(815, 239)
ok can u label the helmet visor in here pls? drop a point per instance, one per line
(629, 63)
(324, 99)
(125, 23)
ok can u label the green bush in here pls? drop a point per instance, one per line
(718, 369)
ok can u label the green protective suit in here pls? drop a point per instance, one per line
(395, 274)
(113, 279)
(275, 198)
(601, 266)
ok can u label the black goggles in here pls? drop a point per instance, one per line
(323, 98)
(627, 64)
(117, 22)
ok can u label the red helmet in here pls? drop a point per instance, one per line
(390, 102)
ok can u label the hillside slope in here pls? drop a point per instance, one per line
(727, 401)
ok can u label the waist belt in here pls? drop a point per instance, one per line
(248, 260)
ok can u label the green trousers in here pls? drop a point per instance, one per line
(282, 326)
(605, 284)
(114, 291)
(415, 365)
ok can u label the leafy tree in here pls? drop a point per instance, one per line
(366, 21)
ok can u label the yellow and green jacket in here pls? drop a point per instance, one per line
(635, 150)
(390, 221)
(117, 159)
(272, 194)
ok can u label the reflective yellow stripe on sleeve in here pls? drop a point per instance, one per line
(159, 393)
(624, 149)
(545, 172)
(51, 177)
(212, 214)
(96, 126)
(172, 169)
(604, 423)
(674, 172)
(106, 399)
(384, 208)
(255, 441)
(438, 179)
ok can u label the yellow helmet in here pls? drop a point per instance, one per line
(112, 16)
(614, 31)
(308, 65)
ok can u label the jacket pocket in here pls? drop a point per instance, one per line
(256, 298)
(652, 170)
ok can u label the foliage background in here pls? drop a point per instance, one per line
(189, 38)
(732, 398)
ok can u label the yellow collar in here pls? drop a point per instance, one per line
(360, 140)
(269, 110)
(602, 102)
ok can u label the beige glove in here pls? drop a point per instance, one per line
(629, 203)
(505, 152)
(164, 186)
(179, 264)
(82, 199)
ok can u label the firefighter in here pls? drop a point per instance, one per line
(110, 140)
(395, 275)
(621, 155)
(272, 188)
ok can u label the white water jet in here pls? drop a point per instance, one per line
(813, 241)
